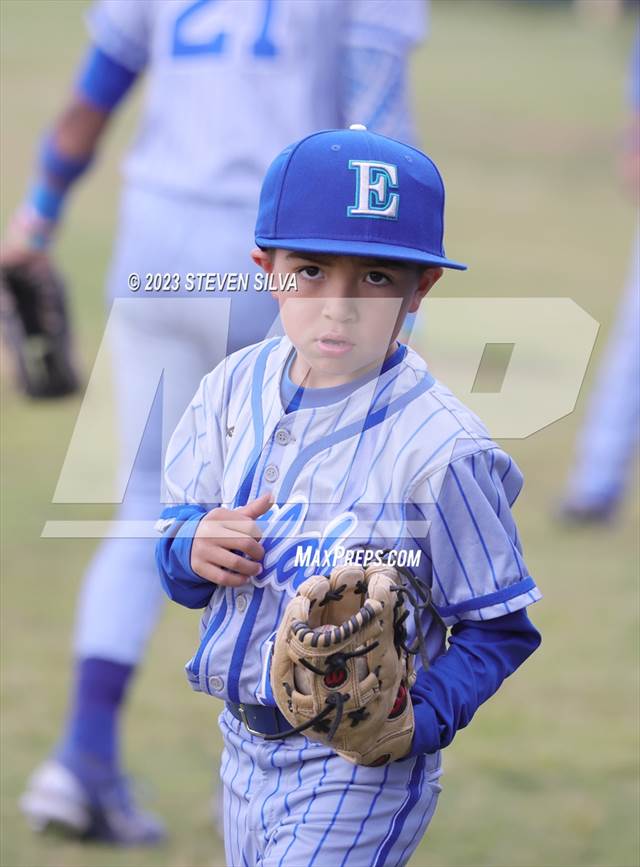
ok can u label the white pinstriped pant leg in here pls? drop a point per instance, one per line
(609, 437)
(121, 597)
(293, 803)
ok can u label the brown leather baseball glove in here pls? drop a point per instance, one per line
(341, 669)
(36, 325)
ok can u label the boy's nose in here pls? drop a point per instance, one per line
(340, 305)
(340, 309)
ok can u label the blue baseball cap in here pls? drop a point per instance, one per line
(354, 193)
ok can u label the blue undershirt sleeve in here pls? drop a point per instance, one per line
(102, 81)
(480, 656)
(173, 557)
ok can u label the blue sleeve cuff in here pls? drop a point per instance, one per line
(525, 585)
(103, 81)
(173, 558)
(480, 656)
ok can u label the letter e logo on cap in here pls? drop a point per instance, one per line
(374, 182)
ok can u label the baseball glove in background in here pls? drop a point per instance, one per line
(341, 669)
(37, 330)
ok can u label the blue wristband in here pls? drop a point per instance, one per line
(55, 175)
(46, 201)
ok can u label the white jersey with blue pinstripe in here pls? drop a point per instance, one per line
(398, 462)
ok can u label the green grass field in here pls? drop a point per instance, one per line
(522, 106)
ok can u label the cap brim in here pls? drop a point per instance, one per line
(360, 248)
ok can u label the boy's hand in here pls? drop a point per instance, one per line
(221, 535)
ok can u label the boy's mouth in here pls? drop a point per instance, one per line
(334, 344)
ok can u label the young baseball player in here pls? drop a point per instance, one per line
(333, 439)
(228, 85)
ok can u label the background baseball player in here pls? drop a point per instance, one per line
(608, 443)
(224, 93)
(355, 443)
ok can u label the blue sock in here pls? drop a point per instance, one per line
(89, 747)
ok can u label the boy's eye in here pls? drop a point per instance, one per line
(377, 278)
(311, 272)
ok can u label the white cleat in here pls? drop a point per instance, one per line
(54, 797)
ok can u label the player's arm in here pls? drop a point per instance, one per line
(480, 656)
(120, 39)
(178, 525)
(201, 548)
(481, 588)
(377, 44)
(66, 152)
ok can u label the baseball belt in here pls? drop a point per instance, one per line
(259, 719)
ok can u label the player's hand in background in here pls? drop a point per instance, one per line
(26, 240)
(223, 537)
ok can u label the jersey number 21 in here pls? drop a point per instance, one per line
(217, 44)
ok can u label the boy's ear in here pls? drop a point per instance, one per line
(429, 278)
(263, 259)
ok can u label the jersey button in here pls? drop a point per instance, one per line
(271, 473)
(283, 436)
(216, 683)
(241, 603)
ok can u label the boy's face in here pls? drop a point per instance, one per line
(347, 311)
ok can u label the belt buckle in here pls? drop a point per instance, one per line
(243, 716)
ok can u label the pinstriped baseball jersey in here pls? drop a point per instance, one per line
(393, 461)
